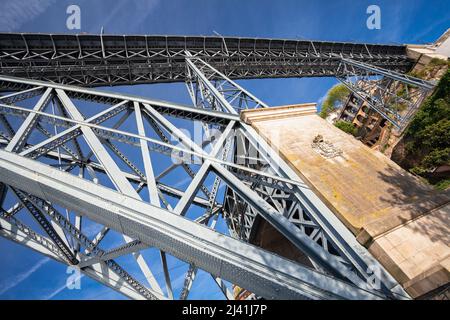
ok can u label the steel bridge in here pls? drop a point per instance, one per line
(68, 160)
(101, 60)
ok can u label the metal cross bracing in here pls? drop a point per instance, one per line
(395, 96)
(317, 232)
(368, 70)
(69, 150)
(100, 60)
(66, 162)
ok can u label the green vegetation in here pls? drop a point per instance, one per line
(402, 92)
(346, 127)
(433, 65)
(443, 184)
(422, 74)
(335, 96)
(438, 62)
(429, 133)
(384, 147)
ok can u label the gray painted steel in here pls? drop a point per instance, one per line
(99, 60)
(261, 272)
(207, 65)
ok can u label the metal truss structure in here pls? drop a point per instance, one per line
(101, 60)
(59, 160)
(395, 96)
(71, 157)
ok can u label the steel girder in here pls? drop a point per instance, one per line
(99, 60)
(395, 96)
(24, 86)
(75, 146)
(115, 278)
(254, 189)
(308, 223)
(252, 268)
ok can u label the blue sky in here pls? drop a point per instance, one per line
(27, 275)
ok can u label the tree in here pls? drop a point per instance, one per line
(346, 127)
(429, 131)
(335, 96)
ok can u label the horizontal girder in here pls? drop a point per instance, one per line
(99, 60)
(86, 94)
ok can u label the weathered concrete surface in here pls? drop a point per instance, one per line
(402, 221)
(417, 253)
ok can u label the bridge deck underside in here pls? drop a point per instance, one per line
(99, 60)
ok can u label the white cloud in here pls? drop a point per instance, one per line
(322, 99)
(16, 13)
(61, 288)
(19, 278)
(143, 9)
(126, 14)
(431, 27)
